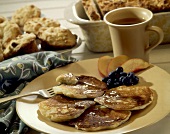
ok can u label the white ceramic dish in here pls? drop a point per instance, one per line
(156, 78)
(96, 33)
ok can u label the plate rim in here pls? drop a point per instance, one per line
(103, 132)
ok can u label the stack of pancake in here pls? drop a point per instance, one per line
(86, 103)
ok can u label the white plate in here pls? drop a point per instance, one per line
(155, 77)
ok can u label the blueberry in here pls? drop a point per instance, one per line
(131, 82)
(119, 69)
(105, 79)
(130, 74)
(123, 74)
(121, 79)
(118, 77)
(135, 80)
(116, 84)
(109, 83)
(112, 74)
(126, 81)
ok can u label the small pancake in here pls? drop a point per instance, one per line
(71, 79)
(66, 78)
(79, 87)
(126, 98)
(60, 108)
(79, 91)
(91, 80)
(99, 118)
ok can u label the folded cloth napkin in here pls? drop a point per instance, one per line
(15, 74)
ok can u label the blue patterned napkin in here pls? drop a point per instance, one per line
(15, 74)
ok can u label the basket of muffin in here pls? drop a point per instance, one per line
(27, 32)
(90, 104)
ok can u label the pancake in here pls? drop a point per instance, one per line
(126, 98)
(99, 118)
(60, 108)
(90, 80)
(79, 91)
(79, 87)
(67, 78)
(71, 79)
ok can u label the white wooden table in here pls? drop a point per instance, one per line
(160, 56)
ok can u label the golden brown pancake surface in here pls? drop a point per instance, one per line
(99, 118)
(126, 98)
(79, 87)
(90, 80)
(60, 108)
(79, 91)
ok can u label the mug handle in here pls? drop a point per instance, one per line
(160, 35)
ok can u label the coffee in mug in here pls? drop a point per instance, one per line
(129, 27)
(128, 21)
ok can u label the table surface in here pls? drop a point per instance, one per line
(55, 9)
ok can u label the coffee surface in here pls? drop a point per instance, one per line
(128, 21)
